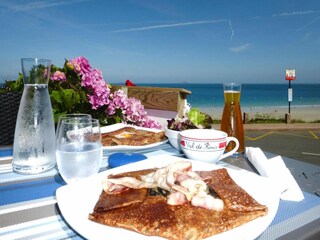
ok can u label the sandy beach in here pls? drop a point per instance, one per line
(307, 114)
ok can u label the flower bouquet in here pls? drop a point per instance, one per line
(79, 88)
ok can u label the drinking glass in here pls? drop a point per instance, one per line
(78, 148)
(78, 116)
(231, 121)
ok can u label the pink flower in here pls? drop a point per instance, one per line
(58, 76)
(92, 79)
(150, 123)
(135, 113)
(120, 99)
(99, 90)
(91, 82)
(111, 109)
(80, 65)
(97, 101)
(132, 110)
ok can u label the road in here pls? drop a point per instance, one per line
(302, 145)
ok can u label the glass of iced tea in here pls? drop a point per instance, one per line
(231, 121)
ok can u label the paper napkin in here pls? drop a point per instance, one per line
(276, 170)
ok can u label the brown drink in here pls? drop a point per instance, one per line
(231, 121)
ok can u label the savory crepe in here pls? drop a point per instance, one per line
(175, 202)
(132, 137)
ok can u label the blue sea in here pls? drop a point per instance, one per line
(252, 95)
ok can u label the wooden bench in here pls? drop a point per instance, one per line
(160, 103)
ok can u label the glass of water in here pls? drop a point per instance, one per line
(78, 116)
(78, 148)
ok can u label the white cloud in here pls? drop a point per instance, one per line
(240, 48)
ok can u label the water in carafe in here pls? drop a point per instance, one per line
(34, 139)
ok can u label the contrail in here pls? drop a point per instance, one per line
(231, 29)
(40, 5)
(310, 23)
(296, 13)
(170, 25)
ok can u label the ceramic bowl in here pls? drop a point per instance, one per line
(174, 138)
(207, 145)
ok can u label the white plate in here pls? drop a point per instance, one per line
(117, 126)
(77, 200)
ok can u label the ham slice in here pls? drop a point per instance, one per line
(177, 178)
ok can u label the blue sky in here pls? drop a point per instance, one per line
(161, 41)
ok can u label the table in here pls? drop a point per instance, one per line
(29, 210)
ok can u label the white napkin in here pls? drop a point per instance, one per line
(276, 170)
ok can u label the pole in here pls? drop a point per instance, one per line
(288, 92)
(290, 75)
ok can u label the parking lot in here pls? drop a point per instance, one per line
(302, 145)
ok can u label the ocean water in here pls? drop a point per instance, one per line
(252, 95)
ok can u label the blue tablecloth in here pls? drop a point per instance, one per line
(28, 208)
(6, 152)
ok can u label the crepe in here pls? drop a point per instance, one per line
(132, 137)
(151, 215)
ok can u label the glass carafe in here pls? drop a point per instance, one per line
(34, 139)
(231, 121)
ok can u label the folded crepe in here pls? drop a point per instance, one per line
(150, 214)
